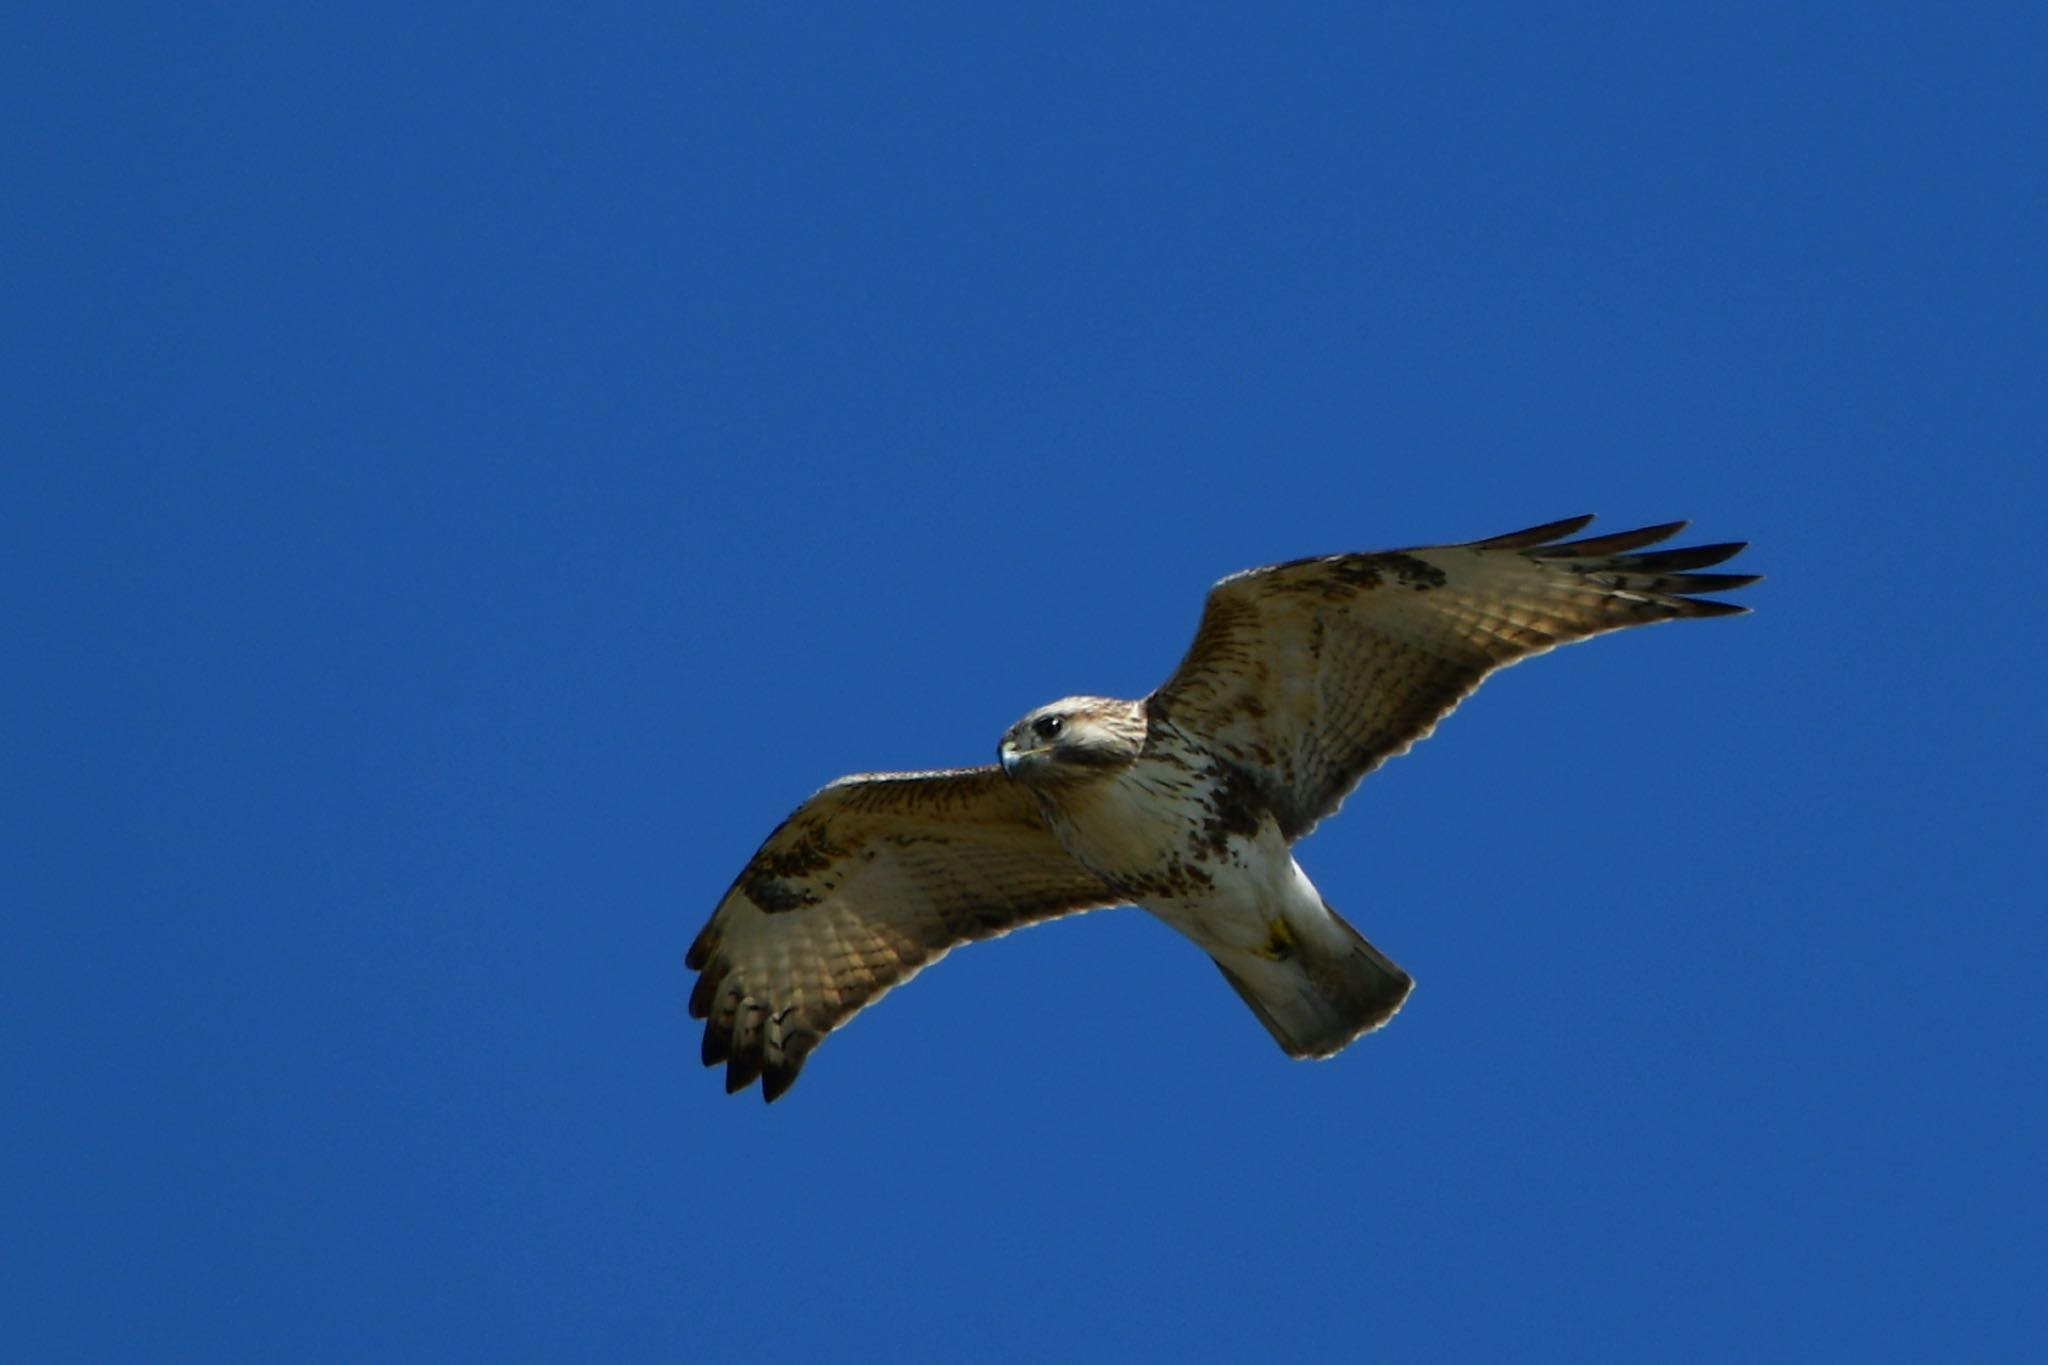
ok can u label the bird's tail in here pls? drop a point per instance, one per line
(1318, 987)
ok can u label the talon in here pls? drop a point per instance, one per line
(1279, 941)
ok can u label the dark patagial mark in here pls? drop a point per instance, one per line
(1333, 579)
(1353, 571)
(775, 895)
(807, 852)
(1411, 572)
(1341, 576)
(776, 880)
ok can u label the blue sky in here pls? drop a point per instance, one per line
(472, 470)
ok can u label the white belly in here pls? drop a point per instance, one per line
(1223, 893)
(1241, 908)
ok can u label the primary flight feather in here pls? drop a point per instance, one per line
(1303, 677)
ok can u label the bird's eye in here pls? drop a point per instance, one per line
(1047, 727)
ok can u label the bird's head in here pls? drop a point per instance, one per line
(1074, 738)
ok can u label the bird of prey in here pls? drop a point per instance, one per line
(1303, 677)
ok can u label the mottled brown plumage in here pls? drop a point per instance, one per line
(871, 879)
(1310, 674)
(1302, 678)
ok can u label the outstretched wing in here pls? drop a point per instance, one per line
(871, 879)
(1310, 674)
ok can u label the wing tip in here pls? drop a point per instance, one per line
(776, 1069)
(748, 1051)
(1661, 575)
(741, 1071)
(1535, 535)
(1614, 543)
(776, 1080)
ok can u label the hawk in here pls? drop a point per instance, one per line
(1303, 677)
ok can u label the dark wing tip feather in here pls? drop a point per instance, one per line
(1535, 535)
(742, 1070)
(1687, 584)
(1612, 544)
(1665, 561)
(775, 1067)
(778, 1077)
(1658, 581)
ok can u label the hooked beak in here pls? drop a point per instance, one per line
(1013, 758)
